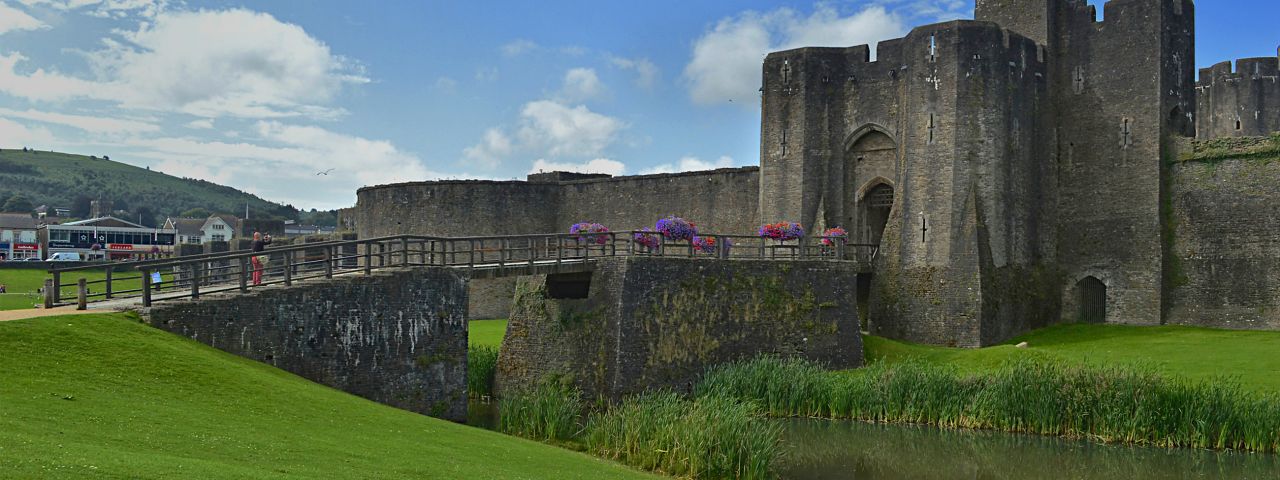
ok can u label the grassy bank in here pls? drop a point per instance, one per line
(1176, 352)
(24, 284)
(1029, 395)
(486, 332)
(705, 437)
(103, 395)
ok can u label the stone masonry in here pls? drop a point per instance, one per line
(660, 322)
(397, 337)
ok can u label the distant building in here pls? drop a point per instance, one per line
(107, 238)
(216, 228)
(295, 230)
(18, 239)
(47, 211)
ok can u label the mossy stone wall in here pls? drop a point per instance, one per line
(659, 322)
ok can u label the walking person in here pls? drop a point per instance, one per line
(260, 243)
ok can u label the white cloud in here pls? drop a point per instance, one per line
(105, 8)
(12, 19)
(580, 84)
(646, 71)
(446, 84)
(599, 165)
(17, 135)
(83, 122)
(202, 124)
(284, 167)
(490, 152)
(235, 63)
(690, 164)
(41, 85)
(518, 47)
(726, 60)
(487, 74)
(562, 130)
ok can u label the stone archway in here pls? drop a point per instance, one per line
(1092, 300)
(870, 161)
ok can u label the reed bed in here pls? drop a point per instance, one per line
(707, 437)
(482, 362)
(548, 412)
(1030, 395)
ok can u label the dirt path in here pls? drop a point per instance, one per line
(40, 312)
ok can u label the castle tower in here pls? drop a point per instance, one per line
(1243, 102)
(1122, 89)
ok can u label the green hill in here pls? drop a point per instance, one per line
(56, 179)
(105, 396)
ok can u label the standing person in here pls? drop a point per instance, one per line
(260, 243)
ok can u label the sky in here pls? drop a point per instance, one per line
(265, 95)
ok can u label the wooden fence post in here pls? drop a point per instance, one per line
(48, 293)
(82, 294)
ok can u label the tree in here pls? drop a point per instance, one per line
(17, 203)
(146, 217)
(120, 204)
(80, 206)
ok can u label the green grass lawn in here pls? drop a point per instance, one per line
(106, 396)
(486, 332)
(23, 285)
(1253, 357)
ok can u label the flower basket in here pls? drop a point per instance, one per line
(835, 236)
(585, 231)
(647, 238)
(781, 231)
(711, 245)
(676, 228)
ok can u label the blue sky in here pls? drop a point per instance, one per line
(262, 95)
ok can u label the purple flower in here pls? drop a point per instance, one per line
(676, 228)
(584, 230)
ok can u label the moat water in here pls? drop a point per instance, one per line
(825, 449)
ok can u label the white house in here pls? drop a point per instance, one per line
(216, 228)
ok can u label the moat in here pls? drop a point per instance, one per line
(816, 449)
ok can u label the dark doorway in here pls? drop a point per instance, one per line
(568, 285)
(1093, 300)
(876, 205)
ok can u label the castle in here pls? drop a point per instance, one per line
(1018, 170)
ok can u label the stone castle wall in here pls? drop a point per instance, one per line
(1226, 250)
(1241, 102)
(657, 322)
(724, 200)
(397, 337)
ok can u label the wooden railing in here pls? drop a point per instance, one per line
(196, 275)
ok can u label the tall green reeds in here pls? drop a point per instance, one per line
(548, 412)
(708, 437)
(482, 362)
(1112, 404)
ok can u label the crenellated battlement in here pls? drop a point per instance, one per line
(1256, 68)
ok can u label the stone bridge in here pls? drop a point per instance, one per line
(616, 313)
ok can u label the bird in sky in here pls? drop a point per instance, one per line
(326, 172)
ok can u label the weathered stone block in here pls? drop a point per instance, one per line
(397, 337)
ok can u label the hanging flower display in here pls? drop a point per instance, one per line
(647, 238)
(95, 247)
(835, 236)
(584, 231)
(676, 228)
(711, 244)
(781, 231)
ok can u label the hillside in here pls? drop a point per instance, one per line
(106, 396)
(56, 179)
